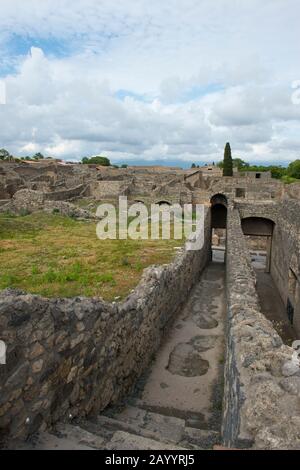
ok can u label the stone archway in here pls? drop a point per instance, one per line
(163, 203)
(218, 211)
(218, 204)
(138, 201)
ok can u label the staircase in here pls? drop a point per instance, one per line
(130, 428)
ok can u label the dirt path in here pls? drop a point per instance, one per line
(186, 378)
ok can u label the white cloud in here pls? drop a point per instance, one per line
(198, 74)
(2, 92)
(30, 148)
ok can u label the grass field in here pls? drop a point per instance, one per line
(58, 256)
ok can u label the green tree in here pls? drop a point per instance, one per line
(240, 164)
(4, 154)
(124, 165)
(293, 169)
(228, 165)
(38, 156)
(98, 160)
(277, 171)
(236, 163)
(193, 165)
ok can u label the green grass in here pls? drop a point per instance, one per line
(58, 256)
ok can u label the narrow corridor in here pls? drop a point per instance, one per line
(187, 373)
(179, 399)
(273, 307)
(177, 403)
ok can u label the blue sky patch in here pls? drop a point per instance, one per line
(19, 45)
(122, 94)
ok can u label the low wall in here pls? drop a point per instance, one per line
(262, 386)
(27, 201)
(108, 189)
(3, 202)
(66, 194)
(286, 254)
(72, 357)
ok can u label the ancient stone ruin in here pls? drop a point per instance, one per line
(200, 354)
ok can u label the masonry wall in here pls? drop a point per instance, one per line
(108, 189)
(27, 201)
(65, 194)
(286, 254)
(262, 384)
(285, 250)
(72, 357)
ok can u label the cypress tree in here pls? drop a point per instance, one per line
(227, 162)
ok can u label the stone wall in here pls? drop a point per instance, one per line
(237, 188)
(262, 386)
(3, 202)
(10, 181)
(27, 201)
(108, 189)
(285, 253)
(72, 357)
(66, 194)
(292, 191)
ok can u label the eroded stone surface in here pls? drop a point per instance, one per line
(191, 359)
(185, 360)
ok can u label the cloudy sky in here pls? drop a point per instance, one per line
(159, 80)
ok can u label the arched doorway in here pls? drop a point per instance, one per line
(163, 203)
(218, 227)
(258, 232)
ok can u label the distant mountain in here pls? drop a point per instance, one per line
(185, 164)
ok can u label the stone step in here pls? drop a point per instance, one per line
(80, 435)
(125, 441)
(194, 435)
(191, 418)
(203, 438)
(105, 432)
(65, 437)
(160, 427)
(166, 428)
(50, 441)
(112, 425)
